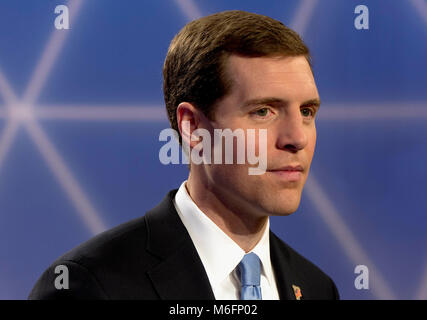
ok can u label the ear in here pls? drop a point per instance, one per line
(188, 118)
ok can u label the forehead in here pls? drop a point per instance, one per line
(282, 77)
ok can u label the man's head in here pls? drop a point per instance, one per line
(240, 70)
(195, 66)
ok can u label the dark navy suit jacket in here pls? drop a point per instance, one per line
(153, 257)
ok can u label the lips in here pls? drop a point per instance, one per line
(289, 173)
(289, 168)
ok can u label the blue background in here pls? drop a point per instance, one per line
(364, 203)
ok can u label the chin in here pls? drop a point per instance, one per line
(285, 208)
(284, 212)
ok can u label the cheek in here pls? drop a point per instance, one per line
(311, 146)
(229, 178)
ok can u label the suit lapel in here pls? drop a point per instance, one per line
(280, 260)
(180, 273)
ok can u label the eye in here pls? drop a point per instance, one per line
(307, 112)
(262, 112)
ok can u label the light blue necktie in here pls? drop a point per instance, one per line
(250, 276)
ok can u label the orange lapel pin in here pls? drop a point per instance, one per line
(297, 292)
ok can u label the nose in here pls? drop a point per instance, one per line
(292, 132)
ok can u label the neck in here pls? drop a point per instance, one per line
(243, 228)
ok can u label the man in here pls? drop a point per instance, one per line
(210, 239)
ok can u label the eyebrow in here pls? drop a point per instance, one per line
(271, 100)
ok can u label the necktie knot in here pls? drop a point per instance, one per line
(250, 275)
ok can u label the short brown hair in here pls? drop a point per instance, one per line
(194, 68)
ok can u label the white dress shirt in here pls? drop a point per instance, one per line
(220, 255)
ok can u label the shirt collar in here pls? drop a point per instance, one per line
(218, 252)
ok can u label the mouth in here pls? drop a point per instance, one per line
(288, 173)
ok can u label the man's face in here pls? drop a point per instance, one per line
(278, 94)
